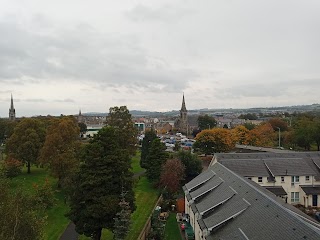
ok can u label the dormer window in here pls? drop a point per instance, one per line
(260, 179)
(282, 179)
(307, 178)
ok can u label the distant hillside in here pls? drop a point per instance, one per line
(289, 109)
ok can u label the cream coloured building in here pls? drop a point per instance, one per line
(293, 176)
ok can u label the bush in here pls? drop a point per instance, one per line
(44, 194)
(12, 167)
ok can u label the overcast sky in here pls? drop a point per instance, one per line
(64, 55)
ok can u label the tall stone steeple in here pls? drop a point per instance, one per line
(183, 117)
(12, 111)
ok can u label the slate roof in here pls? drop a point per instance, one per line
(248, 168)
(311, 190)
(199, 180)
(276, 190)
(239, 208)
(276, 164)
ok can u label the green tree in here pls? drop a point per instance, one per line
(121, 119)
(83, 127)
(278, 123)
(304, 133)
(95, 198)
(192, 164)
(20, 218)
(156, 157)
(122, 220)
(26, 141)
(60, 148)
(249, 116)
(316, 132)
(6, 129)
(146, 145)
(249, 125)
(206, 122)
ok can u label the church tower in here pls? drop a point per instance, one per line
(12, 111)
(183, 117)
(80, 117)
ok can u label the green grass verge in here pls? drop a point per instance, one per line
(56, 222)
(135, 163)
(146, 198)
(172, 228)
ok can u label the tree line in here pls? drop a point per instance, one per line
(96, 175)
(298, 132)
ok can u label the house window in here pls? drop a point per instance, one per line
(295, 197)
(282, 179)
(307, 178)
(250, 178)
(260, 179)
(295, 179)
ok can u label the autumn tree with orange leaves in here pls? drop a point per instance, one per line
(60, 148)
(240, 134)
(262, 136)
(215, 140)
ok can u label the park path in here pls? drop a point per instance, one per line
(70, 232)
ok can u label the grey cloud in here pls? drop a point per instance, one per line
(67, 100)
(36, 100)
(165, 13)
(85, 55)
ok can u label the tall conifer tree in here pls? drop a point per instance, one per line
(98, 186)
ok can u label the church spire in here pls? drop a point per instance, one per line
(183, 107)
(11, 107)
(12, 111)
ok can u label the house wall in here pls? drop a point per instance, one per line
(290, 187)
(193, 221)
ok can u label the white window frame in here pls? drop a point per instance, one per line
(295, 179)
(260, 179)
(282, 179)
(295, 197)
(307, 178)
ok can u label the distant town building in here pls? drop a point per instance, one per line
(12, 111)
(141, 126)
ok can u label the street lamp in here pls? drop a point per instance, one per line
(279, 137)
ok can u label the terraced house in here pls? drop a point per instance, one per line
(220, 204)
(293, 176)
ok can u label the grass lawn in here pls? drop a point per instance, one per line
(135, 163)
(172, 228)
(56, 222)
(146, 198)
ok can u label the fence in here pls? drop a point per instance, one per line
(146, 229)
